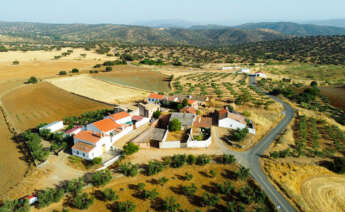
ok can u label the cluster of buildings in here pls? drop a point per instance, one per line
(97, 138)
(244, 70)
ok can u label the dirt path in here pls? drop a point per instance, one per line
(325, 193)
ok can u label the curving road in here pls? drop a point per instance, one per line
(250, 158)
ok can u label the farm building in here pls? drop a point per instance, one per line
(147, 110)
(188, 110)
(53, 127)
(186, 119)
(99, 136)
(31, 198)
(234, 121)
(155, 98)
(139, 121)
(245, 70)
(73, 131)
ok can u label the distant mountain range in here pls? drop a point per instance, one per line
(289, 28)
(176, 34)
(331, 22)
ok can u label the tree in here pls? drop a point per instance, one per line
(127, 206)
(239, 134)
(178, 161)
(202, 160)
(130, 148)
(108, 69)
(16, 62)
(188, 176)
(212, 173)
(243, 173)
(209, 199)
(110, 195)
(228, 159)
(191, 159)
(154, 167)
(32, 80)
(156, 114)
(75, 70)
(189, 190)
(162, 181)
(175, 125)
(129, 169)
(62, 73)
(313, 84)
(97, 160)
(101, 177)
(83, 201)
(75, 186)
(170, 204)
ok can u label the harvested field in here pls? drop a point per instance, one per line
(325, 193)
(99, 90)
(147, 80)
(33, 104)
(335, 95)
(12, 165)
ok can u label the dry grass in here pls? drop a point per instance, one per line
(33, 104)
(175, 136)
(96, 89)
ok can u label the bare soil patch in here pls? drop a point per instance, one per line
(336, 96)
(33, 104)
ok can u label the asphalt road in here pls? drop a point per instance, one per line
(250, 158)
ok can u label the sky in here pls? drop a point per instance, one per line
(227, 12)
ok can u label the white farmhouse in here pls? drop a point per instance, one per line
(234, 121)
(155, 98)
(245, 70)
(53, 127)
(121, 118)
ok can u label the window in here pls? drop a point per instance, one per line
(83, 154)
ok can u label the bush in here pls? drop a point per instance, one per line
(110, 195)
(130, 148)
(170, 204)
(75, 186)
(189, 190)
(75, 70)
(212, 173)
(126, 206)
(101, 177)
(191, 159)
(209, 200)
(243, 173)
(162, 181)
(228, 159)
(226, 188)
(32, 80)
(154, 167)
(129, 169)
(49, 196)
(97, 161)
(203, 160)
(175, 125)
(83, 201)
(178, 161)
(188, 176)
(152, 195)
(108, 69)
(16, 62)
(156, 114)
(62, 73)
(239, 134)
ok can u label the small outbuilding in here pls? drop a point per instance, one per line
(53, 127)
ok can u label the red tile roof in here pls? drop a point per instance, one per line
(88, 136)
(188, 110)
(190, 101)
(237, 117)
(137, 118)
(106, 125)
(72, 130)
(83, 147)
(120, 115)
(156, 96)
(203, 122)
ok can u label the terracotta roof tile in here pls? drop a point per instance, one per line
(156, 96)
(137, 118)
(120, 115)
(88, 136)
(83, 147)
(237, 117)
(72, 130)
(106, 125)
(190, 101)
(188, 110)
(204, 122)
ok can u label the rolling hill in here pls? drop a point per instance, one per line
(289, 28)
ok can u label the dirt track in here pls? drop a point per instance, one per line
(325, 193)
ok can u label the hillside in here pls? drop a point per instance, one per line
(314, 49)
(332, 22)
(134, 34)
(289, 28)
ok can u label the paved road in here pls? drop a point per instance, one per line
(250, 158)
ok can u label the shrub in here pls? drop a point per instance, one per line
(83, 201)
(75, 186)
(202, 160)
(141, 186)
(49, 196)
(162, 181)
(188, 176)
(108, 69)
(16, 62)
(110, 195)
(228, 159)
(175, 125)
(101, 177)
(97, 160)
(243, 173)
(239, 134)
(209, 200)
(191, 159)
(154, 167)
(130, 148)
(189, 190)
(62, 73)
(156, 114)
(226, 188)
(170, 204)
(129, 169)
(126, 206)
(32, 80)
(75, 70)
(212, 173)
(178, 161)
